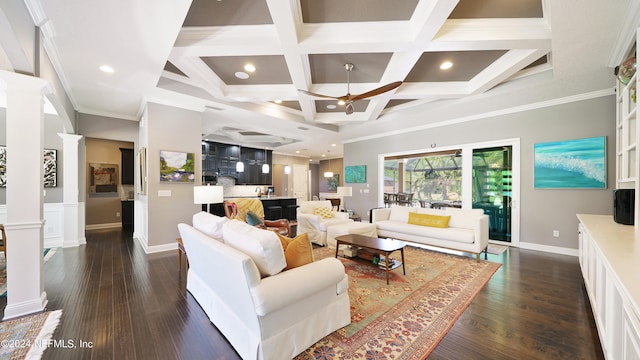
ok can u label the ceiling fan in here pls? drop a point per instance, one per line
(349, 99)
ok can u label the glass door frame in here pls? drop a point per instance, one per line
(467, 178)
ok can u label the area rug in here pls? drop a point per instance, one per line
(27, 337)
(48, 253)
(496, 249)
(407, 318)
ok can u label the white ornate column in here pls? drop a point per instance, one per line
(73, 221)
(25, 198)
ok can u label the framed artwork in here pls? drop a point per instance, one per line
(50, 167)
(333, 182)
(571, 164)
(177, 167)
(103, 179)
(355, 174)
(142, 171)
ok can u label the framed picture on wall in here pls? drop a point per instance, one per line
(571, 164)
(103, 180)
(356, 174)
(142, 171)
(50, 167)
(177, 166)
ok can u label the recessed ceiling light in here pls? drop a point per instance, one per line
(323, 155)
(341, 102)
(277, 101)
(242, 75)
(331, 106)
(297, 151)
(446, 65)
(333, 145)
(107, 69)
(249, 68)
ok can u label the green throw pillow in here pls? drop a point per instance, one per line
(253, 219)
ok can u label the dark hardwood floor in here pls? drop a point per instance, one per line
(130, 305)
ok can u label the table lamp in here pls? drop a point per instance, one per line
(208, 195)
(344, 191)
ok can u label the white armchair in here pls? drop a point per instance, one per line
(314, 225)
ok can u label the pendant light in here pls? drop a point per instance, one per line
(287, 169)
(265, 166)
(329, 173)
(239, 164)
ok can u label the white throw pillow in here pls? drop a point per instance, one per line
(209, 224)
(400, 213)
(263, 246)
(463, 218)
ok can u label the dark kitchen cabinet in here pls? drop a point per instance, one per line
(127, 166)
(220, 160)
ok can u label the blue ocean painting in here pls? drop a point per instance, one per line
(574, 164)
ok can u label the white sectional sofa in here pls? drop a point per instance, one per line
(235, 274)
(314, 225)
(467, 229)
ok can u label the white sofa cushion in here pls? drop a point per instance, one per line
(463, 218)
(460, 235)
(400, 213)
(209, 224)
(306, 207)
(263, 246)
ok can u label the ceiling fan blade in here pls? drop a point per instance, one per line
(318, 95)
(374, 92)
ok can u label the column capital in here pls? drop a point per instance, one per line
(71, 138)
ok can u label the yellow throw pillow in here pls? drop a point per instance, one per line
(297, 251)
(440, 221)
(323, 212)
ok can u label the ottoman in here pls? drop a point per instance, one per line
(362, 228)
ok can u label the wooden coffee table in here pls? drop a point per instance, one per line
(384, 246)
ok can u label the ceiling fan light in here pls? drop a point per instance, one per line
(349, 109)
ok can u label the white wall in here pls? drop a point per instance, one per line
(542, 211)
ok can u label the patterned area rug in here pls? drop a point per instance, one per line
(27, 337)
(48, 253)
(407, 318)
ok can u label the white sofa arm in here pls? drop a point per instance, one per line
(278, 291)
(340, 214)
(482, 232)
(380, 214)
(309, 221)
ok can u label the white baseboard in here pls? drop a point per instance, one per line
(103, 226)
(549, 249)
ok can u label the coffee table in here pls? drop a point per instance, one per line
(385, 246)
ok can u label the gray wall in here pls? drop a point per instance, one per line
(171, 129)
(542, 211)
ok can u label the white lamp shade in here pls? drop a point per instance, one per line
(240, 166)
(208, 194)
(265, 168)
(345, 191)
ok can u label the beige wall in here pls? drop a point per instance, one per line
(103, 211)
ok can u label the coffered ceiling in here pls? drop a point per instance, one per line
(192, 54)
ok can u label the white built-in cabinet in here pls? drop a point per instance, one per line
(627, 137)
(609, 255)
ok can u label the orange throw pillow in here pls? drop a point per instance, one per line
(297, 251)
